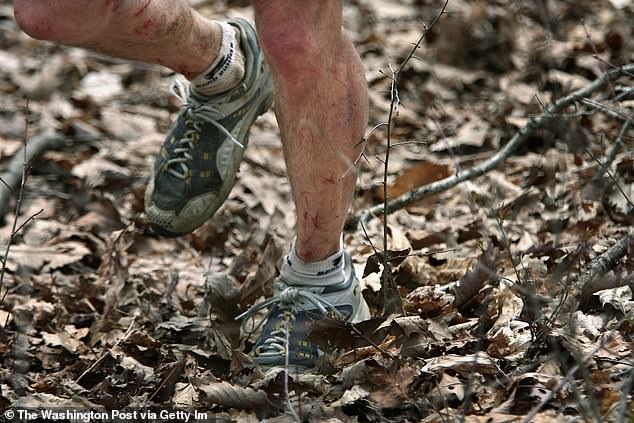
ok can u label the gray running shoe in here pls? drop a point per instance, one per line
(198, 162)
(292, 307)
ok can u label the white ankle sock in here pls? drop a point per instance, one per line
(328, 271)
(227, 70)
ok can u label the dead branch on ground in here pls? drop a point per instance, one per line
(12, 177)
(604, 262)
(533, 124)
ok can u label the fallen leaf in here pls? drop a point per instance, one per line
(227, 395)
(620, 298)
(417, 175)
(471, 134)
(475, 279)
(47, 258)
(185, 395)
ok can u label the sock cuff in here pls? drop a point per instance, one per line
(328, 265)
(323, 272)
(227, 68)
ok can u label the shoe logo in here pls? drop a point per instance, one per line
(221, 67)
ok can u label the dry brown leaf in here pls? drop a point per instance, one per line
(414, 176)
(508, 306)
(63, 339)
(528, 391)
(101, 85)
(222, 296)
(47, 258)
(449, 391)
(141, 372)
(38, 401)
(9, 147)
(427, 301)
(510, 342)
(475, 279)
(227, 395)
(465, 365)
(471, 134)
(376, 261)
(45, 81)
(392, 386)
(97, 171)
(185, 395)
(588, 299)
(620, 298)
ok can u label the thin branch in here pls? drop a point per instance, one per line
(551, 393)
(109, 352)
(618, 143)
(534, 123)
(605, 109)
(604, 262)
(19, 165)
(616, 183)
(626, 389)
(392, 302)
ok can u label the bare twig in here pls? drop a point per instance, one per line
(618, 144)
(626, 389)
(392, 302)
(551, 394)
(534, 123)
(19, 168)
(605, 109)
(616, 183)
(109, 352)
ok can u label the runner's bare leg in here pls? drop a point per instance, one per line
(322, 109)
(164, 32)
(321, 99)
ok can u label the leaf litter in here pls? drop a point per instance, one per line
(98, 312)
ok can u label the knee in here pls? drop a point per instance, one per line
(288, 49)
(290, 42)
(35, 18)
(63, 21)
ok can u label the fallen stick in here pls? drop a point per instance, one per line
(10, 179)
(604, 262)
(520, 137)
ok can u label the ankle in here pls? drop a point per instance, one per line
(227, 70)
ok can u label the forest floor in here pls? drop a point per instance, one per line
(516, 283)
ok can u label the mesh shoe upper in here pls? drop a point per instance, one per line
(197, 164)
(293, 307)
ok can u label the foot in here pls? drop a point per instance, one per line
(198, 162)
(293, 307)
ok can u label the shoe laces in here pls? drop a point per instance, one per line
(289, 303)
(196, 111)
